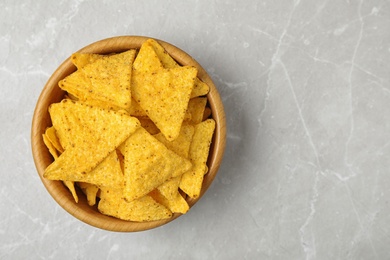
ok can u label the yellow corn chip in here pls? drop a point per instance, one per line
(191, 181)
(143, 209)
(200, 88)
(107, 173)
(75, 122)
(107, 79)
(148, 164)
(72, 189)
(164, 96)
(88, 135)
(110, 78)
(82, 59)
(90, 191)
(196, 107)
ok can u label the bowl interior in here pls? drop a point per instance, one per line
(41, 120)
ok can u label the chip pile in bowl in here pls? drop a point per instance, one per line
(133, 132)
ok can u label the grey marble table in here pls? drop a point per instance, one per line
(306, 89)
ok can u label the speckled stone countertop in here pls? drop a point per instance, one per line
(306, 89)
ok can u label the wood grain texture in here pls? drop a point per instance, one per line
(51, 93)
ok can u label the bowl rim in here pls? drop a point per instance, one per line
(51, 93)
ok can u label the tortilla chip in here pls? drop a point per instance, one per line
(164, 96)
(148, 164)
(200, 88)
(107, 79)
(88, 135)
(191, 181)
(143, 209)
(107, 173)
(82, 59)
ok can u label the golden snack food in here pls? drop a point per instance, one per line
(121, 130)
(93, 129)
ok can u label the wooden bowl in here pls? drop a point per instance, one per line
(41, 120)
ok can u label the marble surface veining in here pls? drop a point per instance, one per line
(306, 89)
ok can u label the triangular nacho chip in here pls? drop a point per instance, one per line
(200, 88)
(191, 181)
(148, 164)
(164, 96)
(107, 79)
(68, 167)
(90, 134)
(110, 78)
